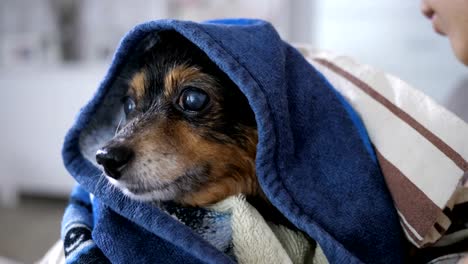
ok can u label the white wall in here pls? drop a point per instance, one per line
(104, 22)
(394, 36)
(27, 33)
(37, 107)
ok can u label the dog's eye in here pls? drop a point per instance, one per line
(128, 104)
(193, 99)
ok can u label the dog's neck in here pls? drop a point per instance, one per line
(256, 197)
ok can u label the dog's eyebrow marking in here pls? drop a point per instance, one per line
(137, 84)
(179, 75)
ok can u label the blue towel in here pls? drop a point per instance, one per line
(84, 210)
(314, 160)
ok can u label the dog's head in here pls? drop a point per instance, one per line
(188, 134)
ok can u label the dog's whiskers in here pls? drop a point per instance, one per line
(102, 178)
(118, 126)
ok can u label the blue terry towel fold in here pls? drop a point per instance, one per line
(314, 159)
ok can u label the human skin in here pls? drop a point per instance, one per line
(450, 18)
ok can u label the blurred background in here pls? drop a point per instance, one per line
(53, 54)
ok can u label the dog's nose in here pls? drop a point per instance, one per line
(114, 160)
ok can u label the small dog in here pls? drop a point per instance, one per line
(189, 134)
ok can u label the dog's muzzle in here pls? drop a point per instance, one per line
(114, 159)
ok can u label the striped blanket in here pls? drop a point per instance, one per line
(422, 148)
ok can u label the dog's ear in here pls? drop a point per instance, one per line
(148, 42)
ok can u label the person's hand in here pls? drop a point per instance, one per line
(450, 18)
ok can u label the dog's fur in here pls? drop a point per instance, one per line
(191, 157)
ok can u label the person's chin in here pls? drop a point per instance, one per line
(460, 49)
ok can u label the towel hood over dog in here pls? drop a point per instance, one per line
(314, 160)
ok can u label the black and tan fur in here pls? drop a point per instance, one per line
(193, 158)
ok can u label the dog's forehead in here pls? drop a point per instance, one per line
(178, 76)
(166, 81)
(137, 84)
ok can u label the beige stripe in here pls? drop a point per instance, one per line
(441, 122)
(420, 161)
(441, 145)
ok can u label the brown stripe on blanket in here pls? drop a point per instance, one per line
(419, 211)
(431, 137)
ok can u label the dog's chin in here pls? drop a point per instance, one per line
(159, 194)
